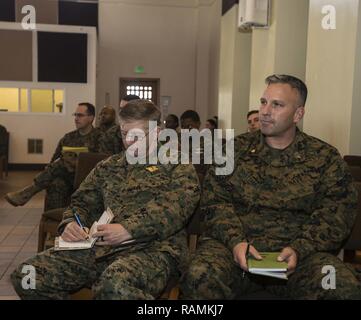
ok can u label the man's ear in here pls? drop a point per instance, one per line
(300, 112)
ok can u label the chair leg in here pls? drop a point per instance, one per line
(349, 255)
(41, 236)
(6, 167)
(192, 243)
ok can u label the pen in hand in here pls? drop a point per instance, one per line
(247, 254)
(77, 218)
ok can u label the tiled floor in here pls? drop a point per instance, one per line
(18, 229)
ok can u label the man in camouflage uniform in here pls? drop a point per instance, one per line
(107, 119)
(58, 176)
(289, 193)
(113, 138)
(151, 204)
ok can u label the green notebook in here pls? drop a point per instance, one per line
(268, 266)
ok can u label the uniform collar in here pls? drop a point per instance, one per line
(294, 153)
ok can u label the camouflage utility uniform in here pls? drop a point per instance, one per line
(113, 143)
(105, 127)
(57, 177)
(301, 197)
(153, 203)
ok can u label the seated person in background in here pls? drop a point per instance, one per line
(289, 193)
(172, 122)
(211, 124)
(190, 120)
(107, 119)
(58, 176)
(253, 120)
(151, 204)
(113, 138)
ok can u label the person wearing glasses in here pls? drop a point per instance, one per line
(290, 194)
(145, 244)
(58, 176)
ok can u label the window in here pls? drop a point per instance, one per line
(144, 88)
(31, 100)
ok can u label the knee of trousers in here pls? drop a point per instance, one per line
(17, 279)
(196, 282)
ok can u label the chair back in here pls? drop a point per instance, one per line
(353, 161)
(85, 163)
(354, 241)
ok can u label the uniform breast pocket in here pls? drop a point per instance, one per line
(298, 197)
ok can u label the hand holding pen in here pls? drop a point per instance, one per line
(77, 219)
(241, 253)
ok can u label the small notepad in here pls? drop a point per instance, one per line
(60, 244)
(76, 150)
(268, 266)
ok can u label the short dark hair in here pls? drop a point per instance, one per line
(174, 117)
(140, 109)
(90, 108)
(213, 123)
(190, 114)
(130, 97)
(252, 112)
(294, 82)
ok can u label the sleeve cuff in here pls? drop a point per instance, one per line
(302, 247)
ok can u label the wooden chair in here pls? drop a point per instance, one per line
(353, 161)
(4, 157)
(354, 241)
(50, 219)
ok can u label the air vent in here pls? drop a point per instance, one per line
(35, 146)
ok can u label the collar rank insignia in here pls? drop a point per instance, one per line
(152, 169)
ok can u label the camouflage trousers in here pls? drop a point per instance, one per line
(213, 274)
(58, 182)
(136, 275)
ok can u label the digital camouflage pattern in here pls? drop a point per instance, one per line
(105, 127)
(58, 177)
(213, 274)
(112, 141)
(93, 140)
(153, 202)
(302, 197)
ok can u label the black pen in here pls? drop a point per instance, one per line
(247, 254)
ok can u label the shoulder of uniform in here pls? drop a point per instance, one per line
(244, 141)
(313, 144)
(71, 134)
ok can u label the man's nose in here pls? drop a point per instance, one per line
(265, 108)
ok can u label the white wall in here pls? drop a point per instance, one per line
(173, 40)
(49, 127)
(333, 76)
(234, 73)
(281, 48)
